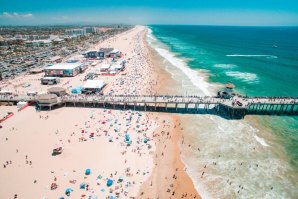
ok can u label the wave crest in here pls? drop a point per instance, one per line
(267, 56)
(243, 76)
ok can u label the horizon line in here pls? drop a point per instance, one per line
(113, 24)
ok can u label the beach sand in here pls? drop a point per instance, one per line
(169, 178)
(146, 170)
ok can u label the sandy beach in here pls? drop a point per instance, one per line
(107, 153)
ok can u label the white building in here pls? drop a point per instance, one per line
(115, 53)
(75, 32)
(89, 29)
(105, 68)
(65, 69)
(37, 43)
(93, 86)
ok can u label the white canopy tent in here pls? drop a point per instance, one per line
(105, 67)
(94, 85)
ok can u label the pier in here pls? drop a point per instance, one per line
(234, 108)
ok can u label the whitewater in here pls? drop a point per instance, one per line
(246, 165)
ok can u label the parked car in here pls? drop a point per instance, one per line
(239, 103)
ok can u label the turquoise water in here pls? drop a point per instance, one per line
(260, 61)
(226, 51)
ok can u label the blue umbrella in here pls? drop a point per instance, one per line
(87, 171)
(68, 191)
(109, 182)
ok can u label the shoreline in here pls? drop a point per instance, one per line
(158, 167)
(252, 140)
(169, 172)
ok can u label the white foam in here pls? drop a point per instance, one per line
(150, 34)
(243, 76)
(239, 138)
(261, 141)
(200, 187)
(225, 66)
(267, 56)
(197, 80)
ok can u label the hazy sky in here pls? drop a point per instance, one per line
(204, 12)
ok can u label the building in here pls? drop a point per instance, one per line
(58, 41)
(101, 54)
(50, 80)
(93, 86)
(89, 29)
(105, 68)
(115, 53)
(53, 60)
(92, 54)
(38, 43)
(59, 91)
(228, 91)
(117, 67)
(75, 32)
(104, 52)
(47, 99)
(36, 71)
(65, 69)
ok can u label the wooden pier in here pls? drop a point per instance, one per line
(234, 108)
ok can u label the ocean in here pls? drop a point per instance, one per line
(252, 158)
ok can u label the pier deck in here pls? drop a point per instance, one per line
(215, 105)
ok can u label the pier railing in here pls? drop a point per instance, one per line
(236, 107)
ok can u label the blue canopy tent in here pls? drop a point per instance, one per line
(77, 90)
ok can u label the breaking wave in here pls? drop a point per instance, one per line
(243, 76)
(227, 66)
(266, 56)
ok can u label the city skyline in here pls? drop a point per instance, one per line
(214, 12)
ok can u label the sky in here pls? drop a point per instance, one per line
(190, 12)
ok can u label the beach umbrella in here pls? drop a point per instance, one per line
(68, 191)
(109, 182)
(127, 137)
(128, 142)
(82, 186)
(87, 171)
(120, 179)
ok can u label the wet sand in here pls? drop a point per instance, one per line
(169, 178)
